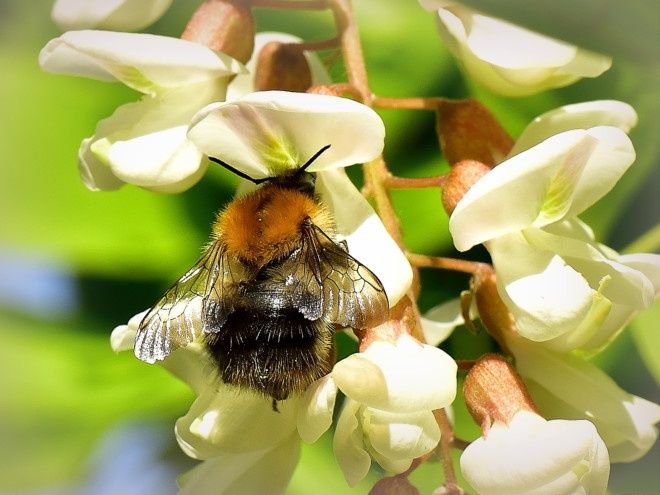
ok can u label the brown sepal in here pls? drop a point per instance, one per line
(225, 26)
(467, 130)
(282, 66)
(494, 391)
(462, 177)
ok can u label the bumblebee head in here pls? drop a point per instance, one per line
(298, 179)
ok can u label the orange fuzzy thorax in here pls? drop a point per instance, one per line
(266, 224)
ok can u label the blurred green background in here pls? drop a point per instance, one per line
(77, 418)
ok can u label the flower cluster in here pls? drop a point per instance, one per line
(552, 422)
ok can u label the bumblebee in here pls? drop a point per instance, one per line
(272, 287)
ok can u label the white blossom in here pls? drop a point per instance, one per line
(143, 143)
(565, 386)
(532, 456)
(392, 389)
(509, 59)
(562, 287)
(114, 15)
(439, 322)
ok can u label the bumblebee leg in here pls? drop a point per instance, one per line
(275, 406)
(344, 245)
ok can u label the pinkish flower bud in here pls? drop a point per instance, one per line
(494, 391)
(225, 26)
(468, 131)
(282, 66)
(463, 176)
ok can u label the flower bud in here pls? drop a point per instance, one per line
(493, 392)
(282, 66)
(225, 26)
(493, 313)
(394, 485)
(468, 131)
(462, 177)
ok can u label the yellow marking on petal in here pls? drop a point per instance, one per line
(558, 197)
(581, 468)
(133, 78)
(101, 150)
(269, 141)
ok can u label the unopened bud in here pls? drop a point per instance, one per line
(468, 131)
(494, 391)
(225, 26)
(493, 313)
(462, 177)
(282, 66)
(395, 485)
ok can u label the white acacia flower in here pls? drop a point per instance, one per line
(271, 132)
(563, 288)
(509, 59)
(566, 386)
(532, 456)
(392, 389)
(262, 471)
(242, 440)
(439, 322)
(114, 15)
(143, 143)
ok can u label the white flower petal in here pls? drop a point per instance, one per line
(392, 377)
(646, 263)
(397, 437)
(576, 116)
(267, 133)
(565, 386)
(534, 456)
(145, 143)
(266, 471)
(624, 285)
(95, 174)
(547, 297)
(348, 444)
(145, 62)
(607, 163)
(243, 84)
(361, 228)
(315, 409)
(512, 195)
(118, 15)
(556, 179)
(231, 419)
(439, 322)
(123, 336)
(511, 60)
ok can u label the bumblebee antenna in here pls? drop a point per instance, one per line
(314, 157)
(242, 174)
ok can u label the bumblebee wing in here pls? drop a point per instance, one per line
(176, 319)
(353, 295)
(321, 279)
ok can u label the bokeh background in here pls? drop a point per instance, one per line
(76, 418)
